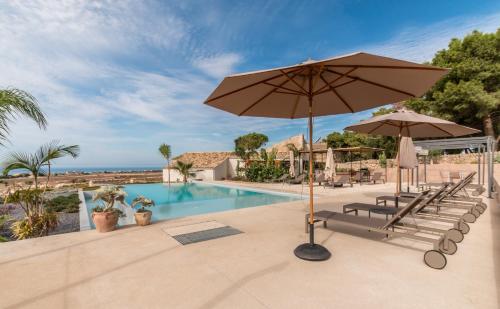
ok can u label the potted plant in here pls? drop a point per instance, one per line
(105, 216)
(142, 215)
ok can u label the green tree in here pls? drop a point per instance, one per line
(36, 162)
(246, 146)
(183, 169)
(166, 151)
(15, 103)
(470, 93)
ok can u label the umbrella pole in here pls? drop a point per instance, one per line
(311, 251)
(398, 170)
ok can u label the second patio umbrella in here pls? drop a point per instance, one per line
(404, 122)
(344, 84)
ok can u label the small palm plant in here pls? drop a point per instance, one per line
(183, 169)
(36, 162)
(143, 216)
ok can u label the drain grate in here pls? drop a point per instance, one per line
(194, 237)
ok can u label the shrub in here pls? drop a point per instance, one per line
(67, 204)
(382, 160)
(35, 226)
(259, 172)
(38, 221)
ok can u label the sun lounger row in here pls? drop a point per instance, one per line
(413, 220)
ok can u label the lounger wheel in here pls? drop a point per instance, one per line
(455, 235)
(475, 212)
(469, 218)
(463, 227)
(450, 248)
(434, 259)
(480, 209)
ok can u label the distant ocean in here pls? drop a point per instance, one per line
(101, 169)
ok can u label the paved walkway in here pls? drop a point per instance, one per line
(143, 267)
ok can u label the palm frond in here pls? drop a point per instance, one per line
(165, 150)
(15, 103)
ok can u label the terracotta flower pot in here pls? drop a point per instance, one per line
(143, 218)
(105, 221)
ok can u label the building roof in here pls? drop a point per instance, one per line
(297, 141)
(204, 159)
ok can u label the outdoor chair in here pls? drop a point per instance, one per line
(433, 258)
(377, 176)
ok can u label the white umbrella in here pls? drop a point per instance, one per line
(292, 165)
(330, 165)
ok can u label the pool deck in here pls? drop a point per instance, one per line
(143, 267)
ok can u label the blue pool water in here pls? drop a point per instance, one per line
(180, 200)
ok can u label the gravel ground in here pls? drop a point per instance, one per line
(68, 222)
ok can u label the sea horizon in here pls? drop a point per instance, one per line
(94, 169)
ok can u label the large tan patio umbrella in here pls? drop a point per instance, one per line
(338, 85)
(408, 123)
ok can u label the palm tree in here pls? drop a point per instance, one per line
(166, 152)
(14, 103)
(34, 163)
(183, 169)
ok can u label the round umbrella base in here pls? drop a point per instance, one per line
(312, 252)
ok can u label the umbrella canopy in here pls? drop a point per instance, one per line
(407, 156)
(409, 123)
(344, 84)
(292, 164)
(330, 164)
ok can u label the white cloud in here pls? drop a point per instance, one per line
(420, 44)
(218, 66)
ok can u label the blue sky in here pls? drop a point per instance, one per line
(120, 77)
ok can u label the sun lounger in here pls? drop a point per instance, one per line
(433, 258)
(283, 178)
(297, 180)
(454, 232)
(339, 181)
(449, 199)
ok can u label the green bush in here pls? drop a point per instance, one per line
(382, 160)
(68, 204)
(36, 226)
(259, 172)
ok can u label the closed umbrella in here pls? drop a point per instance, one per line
(292, 165)
(408, 123)
(407, 156)
(329, 165)
(338, 85)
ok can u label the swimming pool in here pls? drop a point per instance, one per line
(181, 200)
